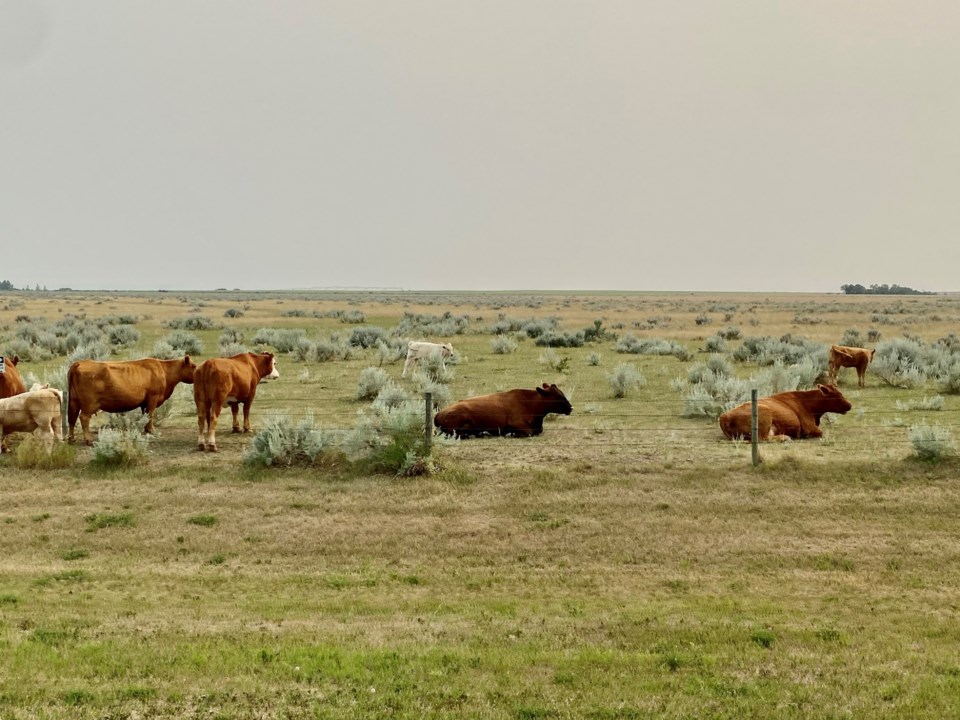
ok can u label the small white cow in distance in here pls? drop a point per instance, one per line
(417, 350)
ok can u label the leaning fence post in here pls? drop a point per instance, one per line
(753, 427)
(427, 422)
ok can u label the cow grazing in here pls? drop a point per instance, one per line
(228, 381)
(514, 412)
(122, 386)
(10, 381)
(786, 415)
(417, 350)
(34, 410)
(842, 356)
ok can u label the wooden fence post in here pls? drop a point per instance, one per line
(427, 422)
(753, 428)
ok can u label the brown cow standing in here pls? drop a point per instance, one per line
(842, 356)
(38, 409)
(786, 415)
(514, 412)
(228, 381)
(10, 381)
(122, 386)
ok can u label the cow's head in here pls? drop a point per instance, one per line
(186, 370)
(271, 366)
(832, 400)
(446, 349)
(556, 401)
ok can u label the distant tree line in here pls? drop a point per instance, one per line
(7, 285)
(884, 289)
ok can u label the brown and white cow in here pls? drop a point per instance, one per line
(121, 386)
(842, 356)
(10, 381)
(786, 415)
(231, 381)
(33, 410)
(514, 412)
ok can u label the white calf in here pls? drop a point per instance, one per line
(29, 411)
(417, 350)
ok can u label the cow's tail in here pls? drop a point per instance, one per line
(73, 395)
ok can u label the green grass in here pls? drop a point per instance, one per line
(647, 570)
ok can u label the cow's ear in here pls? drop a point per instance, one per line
(186, 359)
(540, 390)
(545, 386)
(16, 359)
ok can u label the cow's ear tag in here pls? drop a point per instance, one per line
(3, 367)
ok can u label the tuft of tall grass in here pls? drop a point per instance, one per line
(35, 454)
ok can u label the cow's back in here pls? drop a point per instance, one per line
(113, 386)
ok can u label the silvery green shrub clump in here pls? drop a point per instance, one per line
(183, 343)
(624, 378)
(851, 338)
(92, 351)
(903, 362)
(303, 349)
(233, 313)
(368, 336)
(283, 340)
(230, 335)
(391, 395)
(503, 345)
(120, 448)
(191, 322)
(372, 380)
(440, 393)
(629, 343)
(552, 338)
(123, 335)
(163, 350)
(715, 344)
(281, 442)
(731, 333)
(936, 402)
(437, 367)
(787, 349)
(352, 317)
(703, 320)
(594, 359)
(391, 351)
(932, 442)
(137, 420)
(949, 379)
(554, 361)
(445, 325)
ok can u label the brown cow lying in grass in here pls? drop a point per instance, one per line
(786, 415)
(842, 356)
(514, 412)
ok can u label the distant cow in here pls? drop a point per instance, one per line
(122, 386)
(29, 411)
(10, 381)
(231, 381)
(842, 356)
(786, 415)
(514, 412)
(417, 350)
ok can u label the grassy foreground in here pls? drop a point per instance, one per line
(789, 591)
(628, 563)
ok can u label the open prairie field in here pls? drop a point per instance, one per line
(630, 562)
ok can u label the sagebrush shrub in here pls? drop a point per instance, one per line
(624, 378)
(283, 340)
(503, 345)
(183, 343)
(715, 344)
(120, 448)
(191, 322)
(368, 336)
(932, 442)
(123, 335)
(281, 442)
(371, 382)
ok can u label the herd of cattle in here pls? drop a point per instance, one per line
(121, 386)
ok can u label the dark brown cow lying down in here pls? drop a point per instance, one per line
(122, 386)
(786, 415)
(514, 412)
(10, 381)
(842, 356)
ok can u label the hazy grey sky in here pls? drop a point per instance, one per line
(490, 144)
